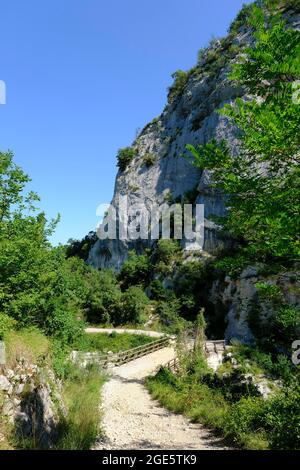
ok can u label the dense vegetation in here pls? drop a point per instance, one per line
(46, 293)
(222, 402)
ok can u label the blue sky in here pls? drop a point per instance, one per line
(81, 77)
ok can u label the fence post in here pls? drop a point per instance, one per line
(2, 353)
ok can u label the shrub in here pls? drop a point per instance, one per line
(104, 296)
(244, 419)
(6, 324)
(63, 324)
(269, 291)
(134, 301)
(286, 323)
(135, 270)
(157, 290)
(283, 418)
(168, 312)
(166, 251)
(125, 157)
(180, 79)
(149, 159)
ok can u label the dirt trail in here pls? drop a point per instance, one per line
(153, 334)
(132, 420)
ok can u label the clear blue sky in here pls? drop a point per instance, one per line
(81, 77)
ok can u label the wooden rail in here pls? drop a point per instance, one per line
(139, 351)
(215, 346)
(173, 365)
(117, 359)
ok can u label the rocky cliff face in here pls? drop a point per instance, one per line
(190, 117)
(158, 173)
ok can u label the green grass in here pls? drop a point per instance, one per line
(80, 428)
(114, 342)
(208, 406)
(81, 387)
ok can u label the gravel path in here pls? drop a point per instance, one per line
(153, 334)
(133, 420)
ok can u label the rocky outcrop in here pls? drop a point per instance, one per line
(191, 118)
(248, 314)
(32, 402)
(158, 173)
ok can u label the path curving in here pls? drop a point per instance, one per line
(131, 419)
(153, 334)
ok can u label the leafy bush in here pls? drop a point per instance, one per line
(134, 301)
(6, 324)
(283, 418)
(286, 323)
(135, 270)
(166, 251)
(149, 159)
(269, 291)
(125, 157)
(63, 324)
(104, 296)
(168, 312)
(244, 423)
(180, 80)
(157, 290)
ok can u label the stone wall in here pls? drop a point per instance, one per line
(31, 401)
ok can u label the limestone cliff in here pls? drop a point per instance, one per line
(190, 117)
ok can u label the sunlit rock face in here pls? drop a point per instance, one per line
(191, 117)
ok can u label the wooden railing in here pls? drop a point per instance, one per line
(215, 346)
(117, 359)
(173, 365)
(139, 351)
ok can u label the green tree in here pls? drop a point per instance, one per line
(37, 286)
(135, 270)
(134, 301)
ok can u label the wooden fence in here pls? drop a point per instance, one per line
(210, 348)
(117, 359)
(173, 365)
(134, 353)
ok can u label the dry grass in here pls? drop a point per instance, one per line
(30, 344)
